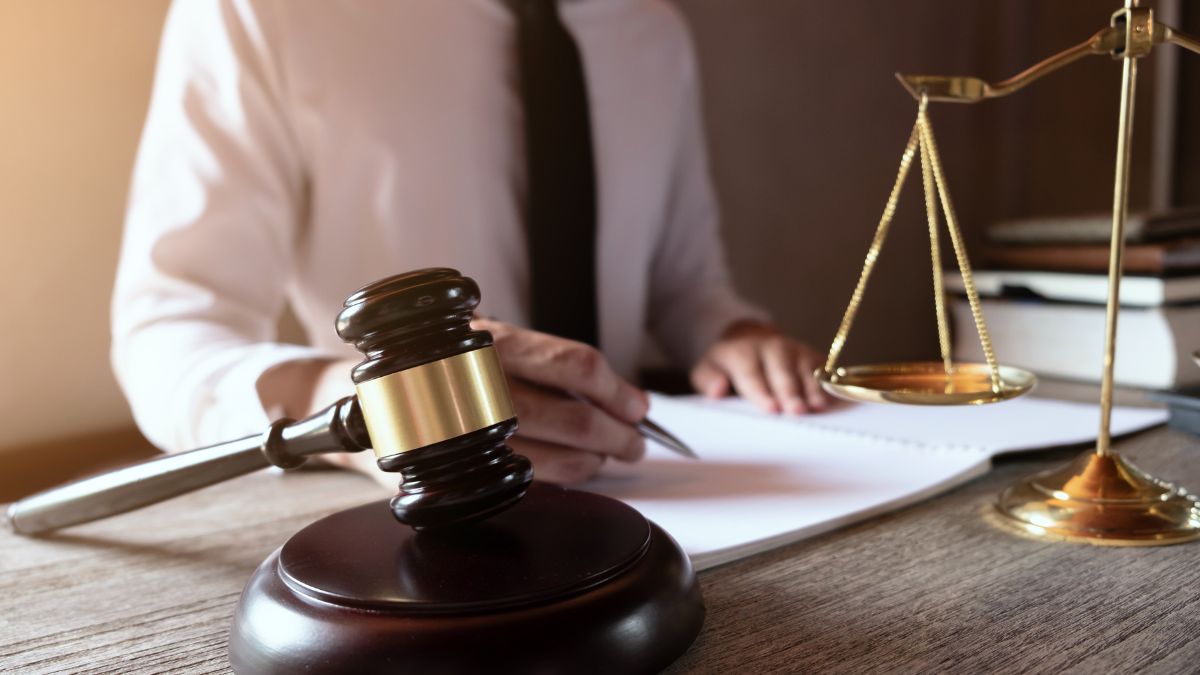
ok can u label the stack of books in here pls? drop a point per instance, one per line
(1043, 286)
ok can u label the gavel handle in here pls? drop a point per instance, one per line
(286, 444)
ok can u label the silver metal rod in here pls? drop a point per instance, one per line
(286, 443)
(135, 486)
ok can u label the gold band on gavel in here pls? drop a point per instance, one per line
(435, 402)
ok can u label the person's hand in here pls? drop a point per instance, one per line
(763, 365)
(573, 411)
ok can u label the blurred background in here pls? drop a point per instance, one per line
(806, 125)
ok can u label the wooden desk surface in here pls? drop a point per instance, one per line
(932, 587)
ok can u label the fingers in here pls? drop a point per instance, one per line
(769, 369)
(558, 463)
(569, 366)
(708, 379)
(743, 365)
(807, 362)
(779, 362)
(564, 422)
(567, 438)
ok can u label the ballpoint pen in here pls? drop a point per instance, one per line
(651, 430)
(654, 432)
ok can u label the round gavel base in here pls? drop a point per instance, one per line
(565, 581)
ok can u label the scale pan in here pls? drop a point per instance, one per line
(925, 383)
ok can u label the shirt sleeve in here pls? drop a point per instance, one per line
(692, 299)
(217, 190)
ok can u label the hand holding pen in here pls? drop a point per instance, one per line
(574, 412)
(570, 436)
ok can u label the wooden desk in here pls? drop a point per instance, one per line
(932, 587)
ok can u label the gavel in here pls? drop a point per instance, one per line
(432, 402)
(552, 580)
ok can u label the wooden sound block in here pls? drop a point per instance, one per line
(564, 581)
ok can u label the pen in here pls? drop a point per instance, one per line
(654, 432)
(651, 430)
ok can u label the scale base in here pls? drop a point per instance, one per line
(564, 581)
(1105, 501)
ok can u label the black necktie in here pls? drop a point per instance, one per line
(560, 210)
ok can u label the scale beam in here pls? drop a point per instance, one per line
(1110, 41)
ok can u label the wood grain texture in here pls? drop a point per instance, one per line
(937, 587)
(929, 588)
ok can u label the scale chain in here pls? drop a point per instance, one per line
(935, 252)
(960, 252)
(889, 210)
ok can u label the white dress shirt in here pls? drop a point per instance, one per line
(296, 150)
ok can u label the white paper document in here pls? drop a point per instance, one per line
(764, 481)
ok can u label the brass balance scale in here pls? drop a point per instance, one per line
(1101, 497)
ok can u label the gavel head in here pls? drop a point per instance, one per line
(434, 398)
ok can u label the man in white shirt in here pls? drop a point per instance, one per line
(296, 150)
